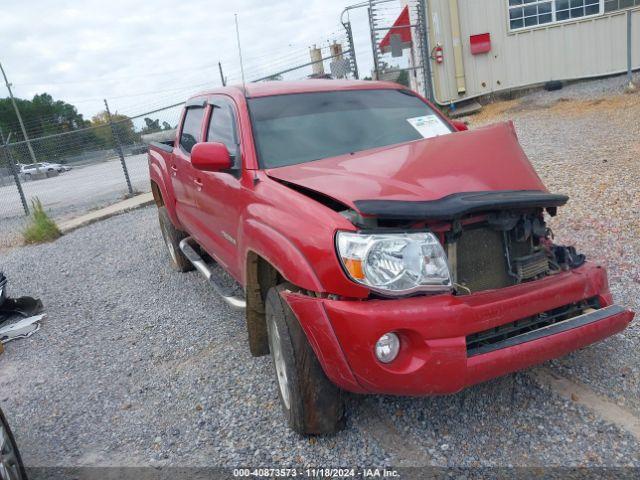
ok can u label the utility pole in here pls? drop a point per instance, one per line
(14, 171)
(222, 79)
(15, 107)
(629, 43)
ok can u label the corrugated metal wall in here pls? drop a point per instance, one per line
(577, 49)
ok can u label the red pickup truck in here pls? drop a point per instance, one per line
(376, 246)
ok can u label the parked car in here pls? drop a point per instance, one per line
(381, 247)
(57, 166)
(11, 467)
(29, 171)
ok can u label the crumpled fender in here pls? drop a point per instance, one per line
(316, 325)
(281, 253)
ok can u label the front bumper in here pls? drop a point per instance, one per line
(433, 331)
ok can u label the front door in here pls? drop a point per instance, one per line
(217, 194)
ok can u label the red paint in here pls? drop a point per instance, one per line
(231, 215)
(400, 27)
(480, 43)
(210, 157)
(488, 158)
(460, 126)
(433, 359)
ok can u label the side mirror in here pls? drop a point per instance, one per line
(210, 157)
(460, 126)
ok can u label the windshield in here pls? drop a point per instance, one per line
(298, 128)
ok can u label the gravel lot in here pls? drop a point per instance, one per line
(584, 141)
(141, 365)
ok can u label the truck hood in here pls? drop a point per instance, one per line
(487, 159)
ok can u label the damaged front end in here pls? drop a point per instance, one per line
(492, 240)
(505, 249)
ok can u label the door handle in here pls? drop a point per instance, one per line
(174, 168)
(198, 183)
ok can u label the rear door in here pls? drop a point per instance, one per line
(218, 195)
(182, 173)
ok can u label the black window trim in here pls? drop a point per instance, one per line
(189, 106)
(215, 101)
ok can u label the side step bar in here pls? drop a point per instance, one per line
(226, 293)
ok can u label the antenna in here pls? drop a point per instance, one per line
(240, 51)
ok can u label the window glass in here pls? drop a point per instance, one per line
(222, 127)
(611, 5)
(191, 129)
(530, 13)
(576, 8)
(298, 128)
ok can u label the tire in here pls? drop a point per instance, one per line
(27, 177)
(11, 466)
(312, 405)
(172, 237)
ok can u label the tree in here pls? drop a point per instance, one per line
(403, 79)
(122, 124)
(153, 126)
(43, 116)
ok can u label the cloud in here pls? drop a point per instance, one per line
(141, 54)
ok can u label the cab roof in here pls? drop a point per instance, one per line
(266, 89)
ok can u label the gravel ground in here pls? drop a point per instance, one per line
(141, 365)
(584, 141)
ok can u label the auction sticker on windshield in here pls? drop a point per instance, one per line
(429, 126)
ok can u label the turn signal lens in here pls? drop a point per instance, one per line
(354, 267)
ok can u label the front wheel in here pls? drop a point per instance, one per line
(11, 467)
(312, 404)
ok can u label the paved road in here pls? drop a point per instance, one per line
(80, 189)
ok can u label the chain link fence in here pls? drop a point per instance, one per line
(399, 33)
(86, 168)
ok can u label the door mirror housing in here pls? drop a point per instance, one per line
(210, 157)
(460, 126)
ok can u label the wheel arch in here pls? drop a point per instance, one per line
(162, 199)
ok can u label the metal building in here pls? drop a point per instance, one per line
(477, 47)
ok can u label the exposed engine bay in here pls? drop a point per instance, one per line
(490, 250)
(505, 249)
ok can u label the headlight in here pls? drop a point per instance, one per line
(395, 263)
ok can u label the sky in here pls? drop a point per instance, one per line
(146, 55)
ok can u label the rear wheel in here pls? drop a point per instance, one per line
(312, 404)
(27, 176)
(172, 237)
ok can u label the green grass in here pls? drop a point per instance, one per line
(41, 228)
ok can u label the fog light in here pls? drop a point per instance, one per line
(387, 347)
